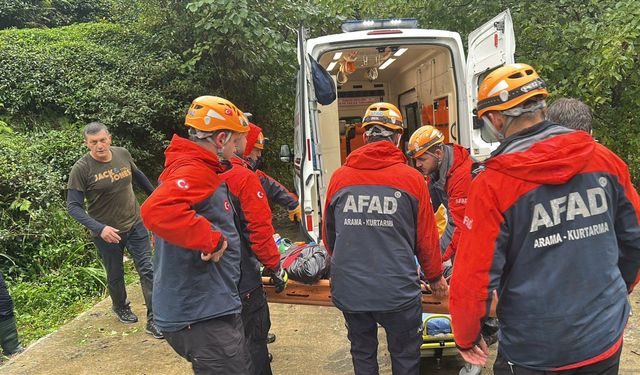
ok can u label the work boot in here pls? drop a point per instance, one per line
(271, 337)
(153, 329)
(125, 315)
(9, 337)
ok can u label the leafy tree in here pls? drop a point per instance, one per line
(68, 76)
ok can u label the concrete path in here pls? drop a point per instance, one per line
(311, 341)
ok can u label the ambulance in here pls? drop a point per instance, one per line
(423, 72)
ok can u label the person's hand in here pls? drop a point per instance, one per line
(440, 288)
(477, 355)
(110, 234)
(279, 278)
(295, 214)
(215, 257)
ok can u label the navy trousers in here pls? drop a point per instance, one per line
(608, 366)
(256, 322)
(404, 337)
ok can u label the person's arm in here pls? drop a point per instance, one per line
(479, 262)
(256, 211)
(427, 246)
(141, 180)
(457, 205)
(169, 213)
(328, 221)
(75, 208)
(447, 236)
(278, 193)
(138, 176)
(627, 228)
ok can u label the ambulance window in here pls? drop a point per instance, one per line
(411, 120)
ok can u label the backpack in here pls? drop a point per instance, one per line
(324, 86)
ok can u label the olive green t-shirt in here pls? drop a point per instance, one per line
(108, 188)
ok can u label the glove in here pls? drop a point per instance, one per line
(295, 214)
(279, 278)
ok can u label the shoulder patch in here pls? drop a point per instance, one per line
(182, 184)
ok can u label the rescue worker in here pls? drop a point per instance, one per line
(552, 228)
(276, 192)
(197, 245)
(374, 226)
(258, 247)
(448, 167)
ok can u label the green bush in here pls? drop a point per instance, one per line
(50, 13)
(33, 217)
(44, 304)
(50, 79)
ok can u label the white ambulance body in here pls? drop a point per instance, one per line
(423, 72)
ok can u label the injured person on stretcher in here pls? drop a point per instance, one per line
(308, 266)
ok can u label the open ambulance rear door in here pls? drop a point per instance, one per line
(490, 46)
(306, 162)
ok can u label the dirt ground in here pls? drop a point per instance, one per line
(310, 340)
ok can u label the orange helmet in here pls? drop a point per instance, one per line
(509, 86)
(384, 114)
(423, 139)
(212, 113)
(260, 141)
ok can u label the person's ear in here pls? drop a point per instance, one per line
(496, 119)
(220, 139)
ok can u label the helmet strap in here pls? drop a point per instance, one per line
(515, 112)
(397, 142)
(493, 132)
(433, 155)
(212, 139)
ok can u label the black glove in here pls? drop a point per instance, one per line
(279, 278)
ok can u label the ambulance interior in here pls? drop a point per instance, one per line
(418, 79)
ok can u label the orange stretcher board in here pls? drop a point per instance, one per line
(319, 294)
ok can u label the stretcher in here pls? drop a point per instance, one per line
(436, 345)
(319, 294)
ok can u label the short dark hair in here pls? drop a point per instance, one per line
(93, 128)
(572, 113)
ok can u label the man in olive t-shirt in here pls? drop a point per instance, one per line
(104, 178)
